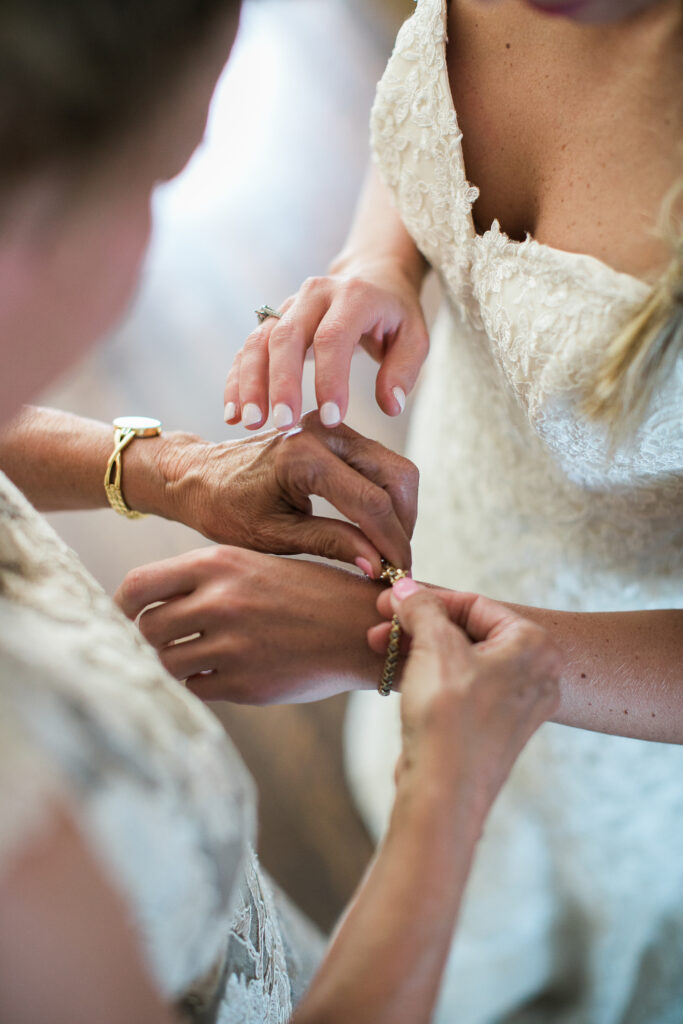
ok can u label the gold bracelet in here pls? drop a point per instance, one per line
(390, 574)
(126, 429)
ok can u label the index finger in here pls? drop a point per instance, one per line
(425, 618)
(355, 496)
(393, 473)
(158, 581)
(481, 618)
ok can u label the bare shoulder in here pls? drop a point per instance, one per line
(566, 127)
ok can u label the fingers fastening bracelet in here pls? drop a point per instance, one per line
(390, 574)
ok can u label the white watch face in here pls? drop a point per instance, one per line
(142, 425)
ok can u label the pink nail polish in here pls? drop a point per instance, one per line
(405, 587)
(365, 567)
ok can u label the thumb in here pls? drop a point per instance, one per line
(425, 617)
(437, 647)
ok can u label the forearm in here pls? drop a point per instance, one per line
(466, 713)
(385, 961)
(624, 671)
(58, 460)
(379, 237)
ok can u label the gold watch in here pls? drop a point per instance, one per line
(126, 429)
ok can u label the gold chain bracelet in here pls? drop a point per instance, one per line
(390, 574)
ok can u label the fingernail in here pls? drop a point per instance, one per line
(365, 567)
(330, 414)
(282, 416)
(405, 587)
(251, 414)
(400, 396)
(230, 410)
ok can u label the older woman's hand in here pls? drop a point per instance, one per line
(255, 493)
(262, 629)
(474, 690)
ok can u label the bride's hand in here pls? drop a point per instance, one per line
(255, 493)
(265, 629)
(468, 708)
(376, 306)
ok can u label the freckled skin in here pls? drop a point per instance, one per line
(610, 646)
(545, 127)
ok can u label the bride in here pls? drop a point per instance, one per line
(532, 161)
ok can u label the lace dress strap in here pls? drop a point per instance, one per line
(416, 144)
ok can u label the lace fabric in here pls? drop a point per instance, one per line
(262, 983)
(88, 714)
(522, 499)
(508, 456)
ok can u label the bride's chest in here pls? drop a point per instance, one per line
(539, 315)
(570, 142)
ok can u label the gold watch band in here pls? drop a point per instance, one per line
(126, 429)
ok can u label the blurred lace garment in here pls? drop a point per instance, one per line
(88, 715)
(575, 908)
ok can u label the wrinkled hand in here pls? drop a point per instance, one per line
(255, 493)
(378, 309)
(265, 629)
(479, 680)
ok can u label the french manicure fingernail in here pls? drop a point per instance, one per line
(230, 410)
(405, 587)
(365, 567)
(400, 396)
(251, 414)
(282, 416)
(330, 414)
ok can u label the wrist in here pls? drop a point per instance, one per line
(355, 612)
(408, 270)
(439, 800)
(155, 473)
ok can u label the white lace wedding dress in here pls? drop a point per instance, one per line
(88, 716)
(574, 912)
